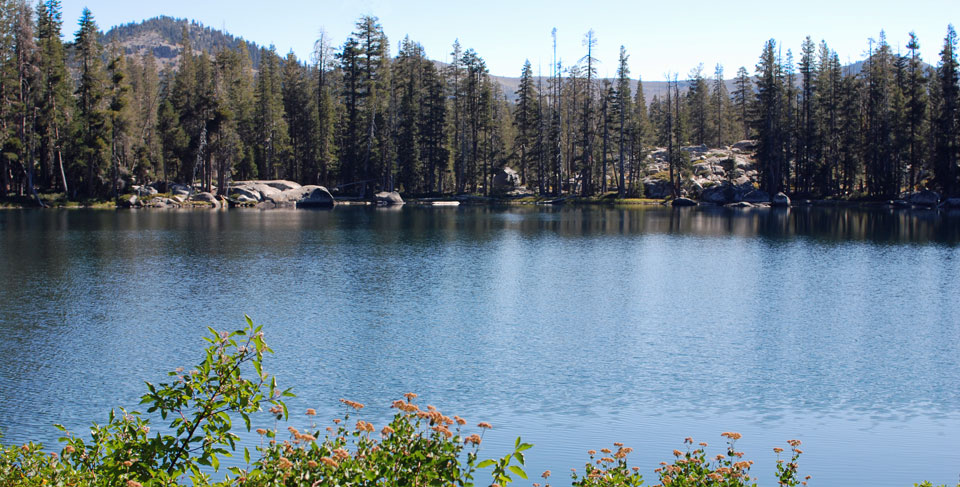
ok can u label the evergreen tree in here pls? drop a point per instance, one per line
(117, 109)
(627, 122)
(769, 103)
(526, 118)
(741, 98)
(696, 105)
(807, 143)
(91, 126)
(54, 103)
(720, 109)
(916, 94)
(325, 112)
(271, 144)
(947, 129)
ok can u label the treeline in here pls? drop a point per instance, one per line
(87, 120)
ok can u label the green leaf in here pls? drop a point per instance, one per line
(485, 463)
(524, 446)
(519, 471)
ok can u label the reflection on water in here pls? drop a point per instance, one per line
(575, 327)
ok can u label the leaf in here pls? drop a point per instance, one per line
(519, 471)
(485, 463)
(524, 446)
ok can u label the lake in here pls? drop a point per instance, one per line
(573, 327)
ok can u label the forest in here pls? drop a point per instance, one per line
(85, 119)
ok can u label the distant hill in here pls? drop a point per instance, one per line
(162, 35)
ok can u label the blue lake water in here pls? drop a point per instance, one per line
(574, 328)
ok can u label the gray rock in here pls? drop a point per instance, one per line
(720, 194)
(142, 191)
(180, 190)
(781, 199)
(684, 202)
(388, 198)
(756, 196)
(206, 198)
(745, 145)
(239, 192)
(506, 179)
(280, 184)
(128, 201)
(695, 148)
(314, 197)
(924, 198)
(656, 188)
(740, 204)
(951, 204)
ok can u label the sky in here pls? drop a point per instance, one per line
(663, 37)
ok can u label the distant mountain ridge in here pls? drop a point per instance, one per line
(162, 35)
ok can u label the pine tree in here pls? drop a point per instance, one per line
(408, 76)
(145, 98)
(720, 101)
(325, 112)
(807, 143)
(947, 130)
(587, 129)
(626, 125)
(741, 98)
(769, 103)
(916, 93)
(696, 105)
(117, 110)
(271, 147)
(91, 130)
(526, 118)
(54, 101)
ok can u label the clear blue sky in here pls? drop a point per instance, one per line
(660, 36)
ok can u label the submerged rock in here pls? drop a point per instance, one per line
(681, 201)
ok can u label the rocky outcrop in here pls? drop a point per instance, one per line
(684, 202)
(951, 204)
(726, 193)
(206, 198)
(128, 201)
(926, 198)
(745, 146)
(506, 179)
(757, 196)
(180, 190)
(781, 200)
(740, 204)
(310, 197)
(388, 198)
(656, 188)
(142, 191)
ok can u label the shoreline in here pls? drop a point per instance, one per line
(472, 200)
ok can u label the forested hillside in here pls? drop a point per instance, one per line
(92, 116)
(162, 36)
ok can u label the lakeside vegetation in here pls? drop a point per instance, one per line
(86, 120)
